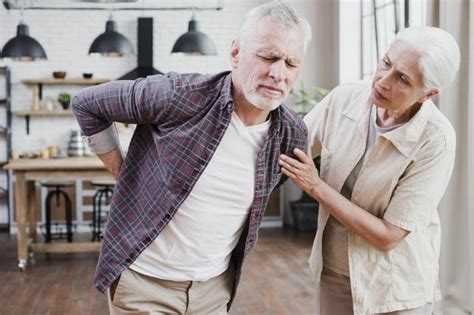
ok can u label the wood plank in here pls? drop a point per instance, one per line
(21, 215)
(67, 164)
(68, 175)
(31, 210)
(44, 113)
(74, 247)
(72, 81)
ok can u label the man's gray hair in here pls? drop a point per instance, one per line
(439, 54)
(280, 12)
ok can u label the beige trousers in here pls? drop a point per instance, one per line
(138, 294)
(336, 297)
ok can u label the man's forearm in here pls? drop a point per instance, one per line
(112, 160)
(106, 145)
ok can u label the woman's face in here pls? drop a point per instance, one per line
(398, 83)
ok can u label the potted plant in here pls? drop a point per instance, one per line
(64, 99)
(305, 210)
(306, 99)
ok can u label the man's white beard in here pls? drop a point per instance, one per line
(263, 103)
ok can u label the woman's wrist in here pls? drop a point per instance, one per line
(315, 190)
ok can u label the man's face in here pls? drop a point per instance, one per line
(268, 63)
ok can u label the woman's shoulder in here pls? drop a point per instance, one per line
(439, 127)
(346, 94)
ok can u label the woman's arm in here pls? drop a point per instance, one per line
(415, 198)
(380, 233)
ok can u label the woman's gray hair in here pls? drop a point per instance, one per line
(439, 54)
(280, 12)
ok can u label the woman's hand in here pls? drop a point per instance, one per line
(302, 172)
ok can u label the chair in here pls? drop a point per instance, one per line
(101, 199)
(55, 191)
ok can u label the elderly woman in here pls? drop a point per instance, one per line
(387, 154)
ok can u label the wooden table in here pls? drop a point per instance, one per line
(27, 171)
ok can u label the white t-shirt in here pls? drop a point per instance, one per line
(198, 242)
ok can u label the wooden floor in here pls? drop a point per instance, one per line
(276, 280)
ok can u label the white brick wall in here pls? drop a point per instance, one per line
(67, 35)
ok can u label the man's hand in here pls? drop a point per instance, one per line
(112, 160)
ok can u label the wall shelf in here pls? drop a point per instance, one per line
(40, 113)
(43, 113)
(49, 81)
(76, 81)
(37, 89)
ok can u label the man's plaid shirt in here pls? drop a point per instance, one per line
(181, 118)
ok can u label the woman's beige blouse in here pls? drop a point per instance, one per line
(402, 181)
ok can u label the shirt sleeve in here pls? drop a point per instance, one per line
(143, 101)
(421, 188)
(103, 141)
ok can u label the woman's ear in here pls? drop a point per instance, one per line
(431, 93)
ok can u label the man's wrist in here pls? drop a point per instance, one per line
(105, 141)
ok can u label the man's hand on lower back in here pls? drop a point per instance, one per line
(112, 160)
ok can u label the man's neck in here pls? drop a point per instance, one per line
(248, 114)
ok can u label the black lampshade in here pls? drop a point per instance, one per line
(22, 46)
(194, 42)
(111, 43)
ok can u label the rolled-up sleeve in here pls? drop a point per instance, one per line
(103, 141)
(143, 101)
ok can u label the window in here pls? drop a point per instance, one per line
(380, 22)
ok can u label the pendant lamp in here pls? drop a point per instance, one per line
(23, 47)
(111, 43)
(194, 42)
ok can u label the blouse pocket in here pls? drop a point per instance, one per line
(407, 272)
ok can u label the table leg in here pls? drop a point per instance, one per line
(31, 192)
(21, 210)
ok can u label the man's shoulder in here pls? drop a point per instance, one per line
(197, 81)
(292, 122)
(289, 116)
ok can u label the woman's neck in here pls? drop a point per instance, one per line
(387, 118)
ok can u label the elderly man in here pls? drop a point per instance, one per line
(192, 190)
